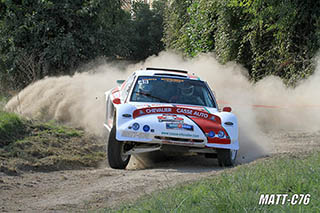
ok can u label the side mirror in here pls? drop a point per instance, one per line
(119, 82)
(116, 101)
(226, 109)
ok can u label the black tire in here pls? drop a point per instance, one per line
(227, 157)
(210, 155)
(115, 151)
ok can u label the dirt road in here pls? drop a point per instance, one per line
(83, 190)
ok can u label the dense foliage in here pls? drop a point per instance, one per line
(45, 37)
(267, 37)
(148, 30)
(11, 128)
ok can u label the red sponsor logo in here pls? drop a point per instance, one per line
(176, 110)
(169, 117)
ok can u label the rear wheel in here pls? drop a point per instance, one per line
(227, 157)
(116, 152)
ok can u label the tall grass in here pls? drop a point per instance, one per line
(28, 145)
(239, 189)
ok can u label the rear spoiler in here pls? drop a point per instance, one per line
(165, 69)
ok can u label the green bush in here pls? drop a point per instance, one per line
(11, 128)
(268, 37)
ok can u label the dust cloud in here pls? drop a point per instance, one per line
(76, 100)
(261, 108)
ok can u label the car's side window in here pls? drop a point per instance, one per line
(110, 109)
(206, 97)
(127, 87)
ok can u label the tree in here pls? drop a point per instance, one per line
(46, 37)
(147, 27)
(43, 37)
(268, 37)
(176, 16)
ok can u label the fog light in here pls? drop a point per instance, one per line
(221, 134)
(211, 134)
(146, 128)
(135, 126)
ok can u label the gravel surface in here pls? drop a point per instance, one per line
(83, 190)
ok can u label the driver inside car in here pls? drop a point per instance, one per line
(144, 92)
(187, 95)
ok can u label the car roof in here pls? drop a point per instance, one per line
(152, 71)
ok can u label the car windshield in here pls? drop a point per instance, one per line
(171, 90)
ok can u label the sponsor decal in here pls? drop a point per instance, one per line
(143, 81)
(187, 127)
(157, 110)
(146, 80)
(146, 128)
(140, 106)
(170, 117)
(172, 80)
(201, 108)
(180, 134)
(135, 126)
(176, 110)
(179, 126)
(131, 134)
(141, 112)
(159, 105)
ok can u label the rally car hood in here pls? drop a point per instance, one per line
(190, 124)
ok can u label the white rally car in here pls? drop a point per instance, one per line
(166, 109)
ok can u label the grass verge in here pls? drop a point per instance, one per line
(11, 128)
(31, 145)
(239, 189)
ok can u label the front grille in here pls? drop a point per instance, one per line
(179, 139)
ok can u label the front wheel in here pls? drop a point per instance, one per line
(227, 157)
(116, 152)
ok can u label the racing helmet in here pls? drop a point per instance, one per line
(186, 89)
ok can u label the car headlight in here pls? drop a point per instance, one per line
(221, 134)
(211, 134)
